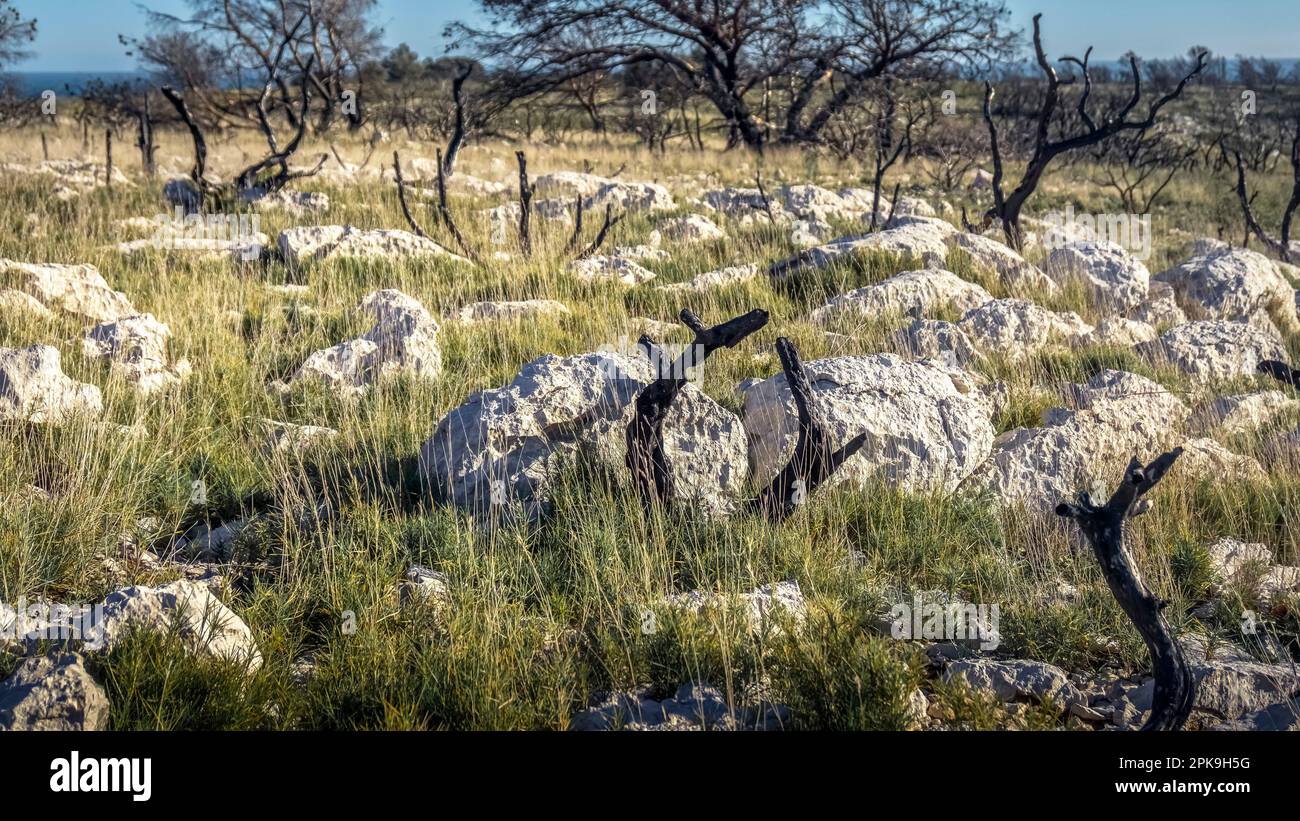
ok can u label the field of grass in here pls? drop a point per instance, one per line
(543, 619)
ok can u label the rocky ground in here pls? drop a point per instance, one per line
(331, 473)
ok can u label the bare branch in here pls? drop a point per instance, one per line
(1103, 527)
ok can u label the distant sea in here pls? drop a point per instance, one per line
(65, 82)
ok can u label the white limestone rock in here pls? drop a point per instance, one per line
(301, 243)
(137, 348)
(1113, 278)
(1234, 284)
(1118, 415)
(206, 626)
(1021, 278)
(501, 452)
(611, 268)
(34, 388)
(910, 292)
(690, 228)
(78, 289)
(404, 339)
(1015, 327)
(926, 427)
(1212, 350)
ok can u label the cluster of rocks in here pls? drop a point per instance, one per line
(694, 706)
(69, 179)
(57, 691)
(404, 339)
(1233, 690)
(135, 344)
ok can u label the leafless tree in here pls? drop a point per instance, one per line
(1140, 165)
(266, 176)
(863, 40)
(879, 129)
(954, 150)
(1051, 140)
(718, 48)
(1281, 246)
(222, 44)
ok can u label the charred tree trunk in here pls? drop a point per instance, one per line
(645, 440)
(1282, 246)
(458, 133)
(525, 205)
(108, 158)
(1103, 526)
(145, 140)
(252, 182)
(815, 456)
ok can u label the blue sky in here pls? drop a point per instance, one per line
(81, 35)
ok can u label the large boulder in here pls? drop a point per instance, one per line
(1118, 415)
(1160, 308)
(910, 292)
(935, 339)
(503, 450)
(78, 289)
(1015, 327)
(1017, 679)
(293, 203)
(1244, 413)
(52, 692)
(1212, 350)
(1234, 284)
(568, 184)
(1250, 566)
(1120, 332)
(792, 202)
(404, 339)
(137, 348)
(34, 388)
(812, 202)
(763, 607)
(1113, 277)
(926, 428)
(1205, 458)
(304, 242)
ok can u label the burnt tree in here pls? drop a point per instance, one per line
(645, 438)
(815, 455)
(1103, 527)
(1282, 245)
(1089, 131)
(266, 176)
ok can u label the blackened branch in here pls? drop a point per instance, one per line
(1103, 526)
(610, 222)
(815, 456)
(645, 439)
